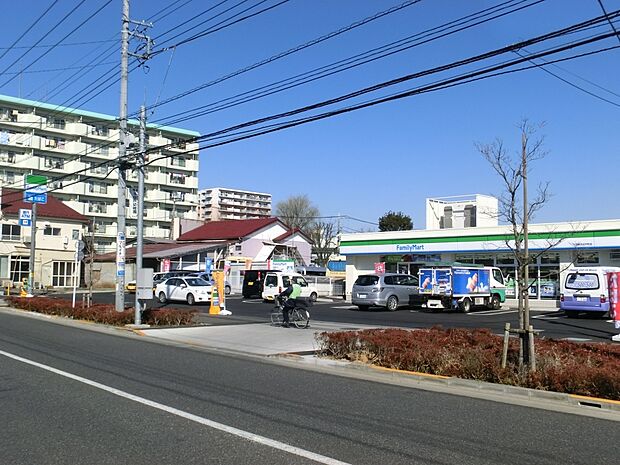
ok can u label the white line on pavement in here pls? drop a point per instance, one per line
(203, 421)
(490, 312)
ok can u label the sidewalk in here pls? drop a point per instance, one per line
(256, 338)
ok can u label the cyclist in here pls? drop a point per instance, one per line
(290, 294)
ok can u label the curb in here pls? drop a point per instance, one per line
(533, 398)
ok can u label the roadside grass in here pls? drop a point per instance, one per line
(562, 366)
(102, 313)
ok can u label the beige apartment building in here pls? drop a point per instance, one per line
(45, 139)
(220, 203)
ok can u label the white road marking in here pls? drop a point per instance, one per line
(546, 317)
(575, 339)
(203, 421)
(490, 312)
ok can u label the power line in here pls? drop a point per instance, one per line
(288, 52)
(219, 26)
(67, 68)
(609, 20)
(490, 71)
(44, 36)
(61, 40)
(67, 44)
(377, 53)
(566, 81)
(28, 29)
(195, 17)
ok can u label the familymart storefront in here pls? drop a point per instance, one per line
(554, 248)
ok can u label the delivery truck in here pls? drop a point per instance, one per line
(462, 287)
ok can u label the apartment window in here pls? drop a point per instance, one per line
(50, 231)
(99, 130)
(7, 114)
(178, 142)
(97, 207)
(9, 177)
(56, 123)
(54, 162)
(177, 178)
(55, 185)
(177, 196)
(97, 168)
(62, 274)
(178, 161)
(97, 188)
(55, 143)
(11, 232)
(7, 157)
(102, 149)
(75, 234)
(99, 227)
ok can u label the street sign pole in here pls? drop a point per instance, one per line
(33, 235)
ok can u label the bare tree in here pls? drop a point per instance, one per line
(298, 212)
(324, 237)
(516, 209)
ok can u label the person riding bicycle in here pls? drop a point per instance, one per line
(290, 294)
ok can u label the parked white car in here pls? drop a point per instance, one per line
(276, 282)
(187, 289)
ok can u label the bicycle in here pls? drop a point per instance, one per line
(298, 315)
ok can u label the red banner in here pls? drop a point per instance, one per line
(380, 267)
(613, 282)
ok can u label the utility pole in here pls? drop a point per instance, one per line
(140, 219)
(122, 151)
(33, 236)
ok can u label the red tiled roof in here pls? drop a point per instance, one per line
(12, 200)
(290, 233)
(228, 229)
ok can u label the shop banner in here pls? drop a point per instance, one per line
(613, 281)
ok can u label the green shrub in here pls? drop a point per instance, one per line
(102, 313)
(575, 368)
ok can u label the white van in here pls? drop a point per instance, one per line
(584, 289)
(276, 282)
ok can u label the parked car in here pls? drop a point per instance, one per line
(208, 277)
(131, 287)
(189, 289)
(276, 282)
(389, 290)
(253, 282)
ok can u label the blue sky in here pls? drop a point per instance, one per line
(388, 157)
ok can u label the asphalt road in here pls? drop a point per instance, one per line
(117, 399)
(551, 323)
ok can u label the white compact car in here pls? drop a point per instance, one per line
(187, 289)
(276, 282)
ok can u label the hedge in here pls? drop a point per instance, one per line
(102, 313)
(562, 366)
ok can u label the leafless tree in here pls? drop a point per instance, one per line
(516, 209)
(324, 237)
(298, 212)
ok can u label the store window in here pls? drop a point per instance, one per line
(586, 258)
(19, 267)
(62, 274)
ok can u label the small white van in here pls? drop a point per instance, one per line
(276, 282)
(584, 289)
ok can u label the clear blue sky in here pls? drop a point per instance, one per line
(387, 157)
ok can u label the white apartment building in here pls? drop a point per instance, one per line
(41, 138)
(219, 203)
(463, 211)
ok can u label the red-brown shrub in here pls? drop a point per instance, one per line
(102, 313)
(585, 369)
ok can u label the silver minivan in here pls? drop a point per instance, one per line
(389, 290)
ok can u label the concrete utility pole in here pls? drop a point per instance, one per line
(122, 150)
(140, 219)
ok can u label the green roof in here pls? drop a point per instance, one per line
(91, 114)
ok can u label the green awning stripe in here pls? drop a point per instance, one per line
(485, 238)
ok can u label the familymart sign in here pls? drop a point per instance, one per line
(486, 243)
